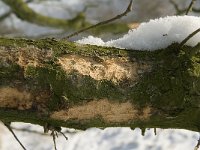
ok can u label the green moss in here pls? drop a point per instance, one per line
(170, 86)
(74, 87)
(60, 47)
(169, 82)
(9, 73)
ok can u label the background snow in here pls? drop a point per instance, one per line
(155, 34)
(97, 139)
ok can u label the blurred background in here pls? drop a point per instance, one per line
(18, 21)
(12, 24)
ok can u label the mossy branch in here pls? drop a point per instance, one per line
(22, 11)
(80, 86)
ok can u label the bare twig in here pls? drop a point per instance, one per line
(64, 135)
(155, 132)
(189, 37)
(54, 139)
(10, 129)
(129, 8)
(190, 6)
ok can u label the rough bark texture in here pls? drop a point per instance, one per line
(81, 86)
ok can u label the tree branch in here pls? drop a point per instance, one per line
(129, 8)
(22, 11)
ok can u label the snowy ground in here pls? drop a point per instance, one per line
(97, 139)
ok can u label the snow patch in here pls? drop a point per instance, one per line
(92, 41)
(155, 34)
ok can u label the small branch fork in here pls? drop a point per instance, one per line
(187, 10)
(129, 8)
(54, 133)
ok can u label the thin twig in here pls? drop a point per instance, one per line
(54, 139)
(129, 8)
(189, 37)
(64, 135)
(181, 11)
(10, 129)
(190, 7)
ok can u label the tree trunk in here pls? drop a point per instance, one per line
(80, 86)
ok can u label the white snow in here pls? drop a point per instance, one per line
(97, 139)
(155, 34)
(92, 41)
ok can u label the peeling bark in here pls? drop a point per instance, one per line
(81, 86)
